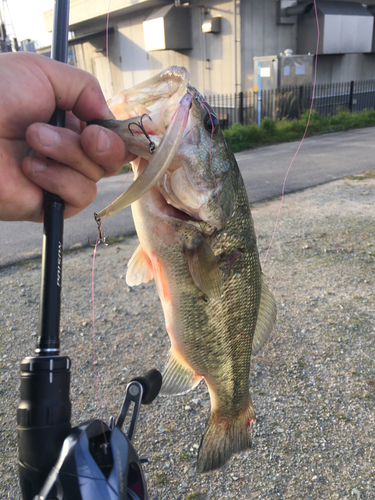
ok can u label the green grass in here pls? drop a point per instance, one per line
(184, 456)
(160, 478)
(240, 137)
(370, 174)
(125, 169)
(115, 239)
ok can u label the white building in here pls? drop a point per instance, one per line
(217, 40)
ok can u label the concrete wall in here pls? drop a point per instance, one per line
(334, 68)
(215, 58)
(261, 36)
(81, 11)
(212, 60)
(91, 56)
(135, 62)
(344, 68)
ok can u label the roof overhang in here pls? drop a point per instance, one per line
(90, 36)
(84, 13)
(345, 27)
(81, 39)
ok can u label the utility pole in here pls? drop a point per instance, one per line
(5, 43)
(237, 45)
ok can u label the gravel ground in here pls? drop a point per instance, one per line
(313, 385)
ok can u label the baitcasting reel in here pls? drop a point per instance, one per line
(98, 462)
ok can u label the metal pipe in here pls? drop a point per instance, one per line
(204, 56)
(259, 93)
(235, 44)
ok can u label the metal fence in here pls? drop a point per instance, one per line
(292, 102)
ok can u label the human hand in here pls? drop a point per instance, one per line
(67, 161)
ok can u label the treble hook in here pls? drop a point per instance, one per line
(102, 237)
(140, 125)
(193, 95)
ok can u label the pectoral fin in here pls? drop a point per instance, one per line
(204, 269)
(178, 377)
(266, 319)
(139, 268)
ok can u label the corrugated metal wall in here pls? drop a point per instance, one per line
(212, 60)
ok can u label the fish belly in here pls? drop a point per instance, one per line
(210, 338)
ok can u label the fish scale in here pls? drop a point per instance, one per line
(221, 352)
(197, 240)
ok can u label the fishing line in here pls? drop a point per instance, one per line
(98, 239)
(93, 305)
(286, 175)
(304, 134)
(93, 339)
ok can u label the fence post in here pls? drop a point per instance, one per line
(300, 102)
(351, 96)
(241, 108)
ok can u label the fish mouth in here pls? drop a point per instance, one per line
(172, 107)
(161, 91)
(166, 207)
(154, 170)
(180, 190)
(173, 212)
(194, 93)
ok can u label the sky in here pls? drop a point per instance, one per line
(27, 17)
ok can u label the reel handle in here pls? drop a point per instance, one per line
(151, 383)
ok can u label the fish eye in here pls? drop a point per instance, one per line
(211, 122)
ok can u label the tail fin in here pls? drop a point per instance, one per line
(223, 437)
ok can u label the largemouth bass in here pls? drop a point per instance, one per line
(197, 241)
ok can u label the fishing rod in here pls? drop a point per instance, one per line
(93, 461)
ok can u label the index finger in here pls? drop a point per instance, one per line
(75, 90)
(51, 84)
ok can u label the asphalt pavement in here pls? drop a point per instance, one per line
(321, 159)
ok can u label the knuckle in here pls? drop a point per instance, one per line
(88, 196)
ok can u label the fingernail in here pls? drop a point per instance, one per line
(103, 141)
(47, 136)
(37, 166)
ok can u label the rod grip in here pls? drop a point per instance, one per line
(43, 418)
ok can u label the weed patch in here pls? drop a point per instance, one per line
(240, 137)
(125, 169)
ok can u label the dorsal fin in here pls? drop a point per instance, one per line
(139, 268)
(266, 319)
(204, 269)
